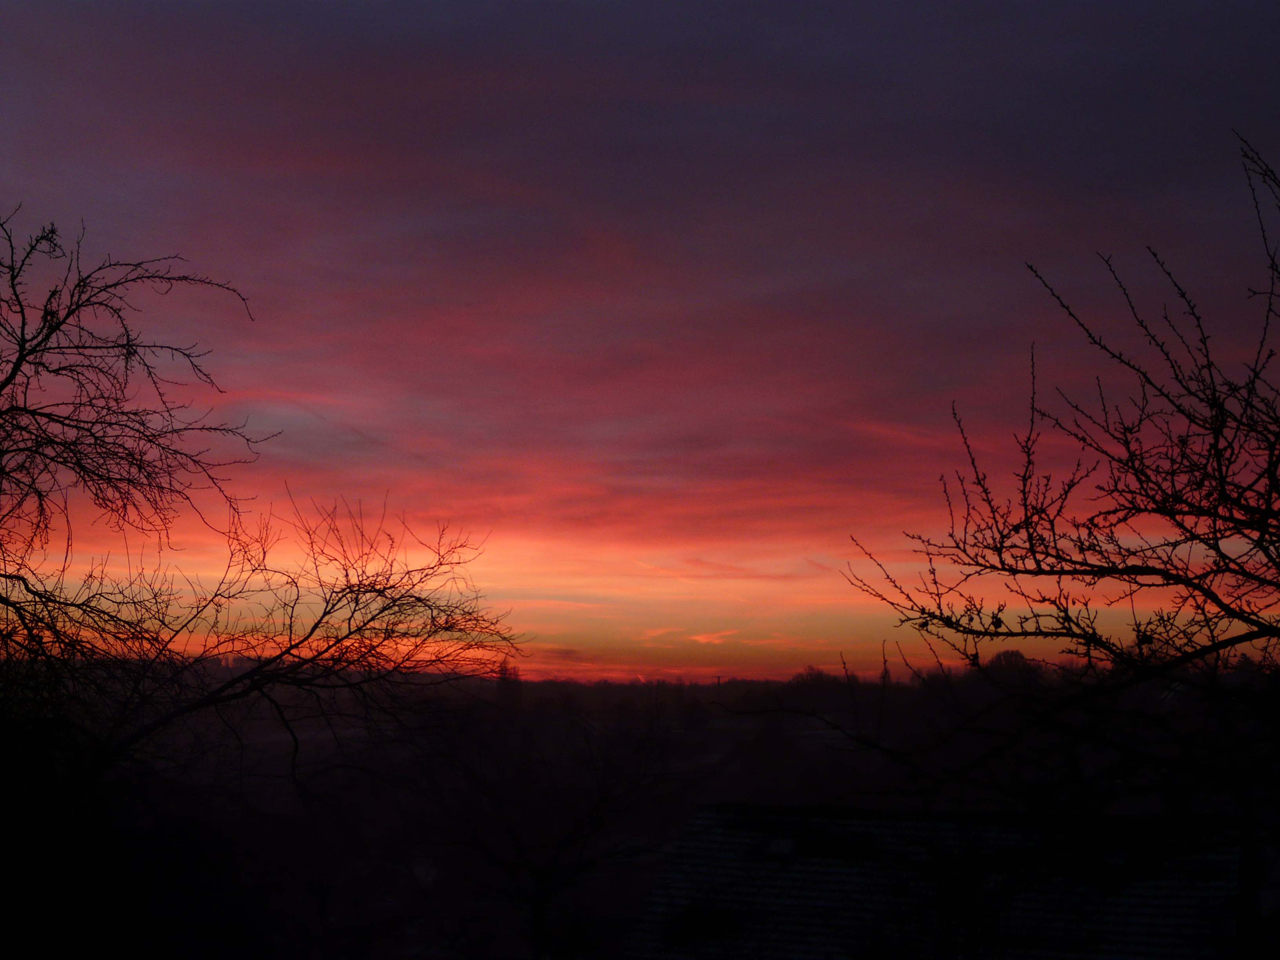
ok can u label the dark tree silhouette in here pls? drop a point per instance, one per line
(1143, 581)
(1171, 514)
(100, 664)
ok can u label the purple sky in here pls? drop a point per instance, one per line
(661, 300)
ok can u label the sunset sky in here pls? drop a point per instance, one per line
(660, 301)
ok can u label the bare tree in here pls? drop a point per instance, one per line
(1143, 578)
(1171, 514)
(97, 664)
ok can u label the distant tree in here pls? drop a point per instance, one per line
(101, 660)
(816, 676)
(815, 689)
(1012, 668)
(510, 689)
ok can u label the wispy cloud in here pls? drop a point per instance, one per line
(719, 636)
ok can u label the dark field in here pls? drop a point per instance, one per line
(523, 819)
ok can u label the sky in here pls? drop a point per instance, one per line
(657, 302)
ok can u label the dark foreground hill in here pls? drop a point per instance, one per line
(556, 819)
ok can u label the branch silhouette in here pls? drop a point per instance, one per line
(98, 664)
